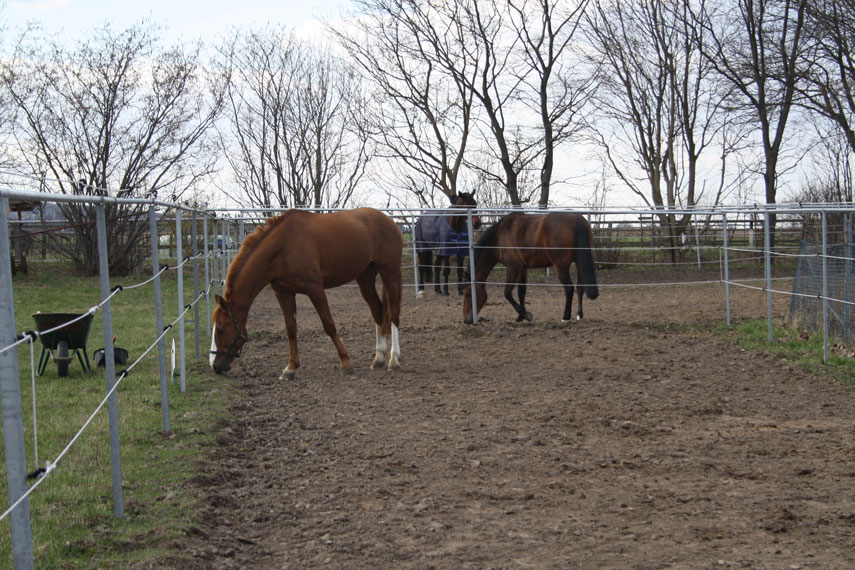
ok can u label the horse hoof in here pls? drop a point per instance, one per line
(393, 366)
(378, 364)
(578, 317)
(421, 295)
(287, 375)
(347, 370)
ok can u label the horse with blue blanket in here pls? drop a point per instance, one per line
(446, 236)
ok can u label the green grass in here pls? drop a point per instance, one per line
(73, 523)
(798, 348)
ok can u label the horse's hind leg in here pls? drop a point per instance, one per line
(392, 292)
(375, 305)
(319, 301)
(288, 304)
(564, 277)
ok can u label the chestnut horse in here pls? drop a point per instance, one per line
(446, 235)
(303, 252)
(522, 242)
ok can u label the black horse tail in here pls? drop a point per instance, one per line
(585, 260)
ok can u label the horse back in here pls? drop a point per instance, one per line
(540, 241)
(338, 247)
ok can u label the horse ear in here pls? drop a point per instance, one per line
(221, 302)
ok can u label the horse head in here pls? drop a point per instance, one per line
(481, 293)
(467, 200)
(227, 338)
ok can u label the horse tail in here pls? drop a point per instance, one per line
(585, 260)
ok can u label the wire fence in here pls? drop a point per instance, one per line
(625, 241)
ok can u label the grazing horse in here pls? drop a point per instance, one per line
(303, 252)
(522, 242)
(448, 236)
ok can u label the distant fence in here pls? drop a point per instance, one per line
(824, 291)
(723, 238)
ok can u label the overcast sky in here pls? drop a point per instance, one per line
(187, 20)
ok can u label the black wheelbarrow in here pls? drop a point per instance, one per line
(64, 343)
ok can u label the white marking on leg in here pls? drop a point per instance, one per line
(396, 350)
(213, 356)
(382, 343)
(380, 348)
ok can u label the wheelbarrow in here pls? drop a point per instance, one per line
(64, 343)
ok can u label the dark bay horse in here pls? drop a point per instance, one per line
(522, 242)
(447, 236)
(303, 252)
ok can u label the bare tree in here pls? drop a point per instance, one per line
(112, 111)
(295, 130)
(477, 31)
(556, 91)
(830, 89)
(422, 116)
(759, 48)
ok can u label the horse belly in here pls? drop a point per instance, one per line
(538, 259)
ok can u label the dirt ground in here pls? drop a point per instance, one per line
(622, 441)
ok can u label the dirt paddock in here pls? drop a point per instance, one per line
(622, 441)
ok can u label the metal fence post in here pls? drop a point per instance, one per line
(472, 266)
(158, 316)
(416, 275)
(221, 239)
(767, 256)
(726, 266)
(824, 286)
(13, 422)
(194, 232)
(207, 271)
(179, 259)
(109, 360)
(698, 242)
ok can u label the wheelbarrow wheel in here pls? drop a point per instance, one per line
(62, 358)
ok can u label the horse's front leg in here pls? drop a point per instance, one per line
(319, 301)
(516, 277)
(521, 291)
(460, 275)
(288, 304)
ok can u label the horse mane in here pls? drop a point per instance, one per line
(249, 244)
(489, 237)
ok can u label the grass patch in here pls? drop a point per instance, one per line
(73, 522)
(798, 348)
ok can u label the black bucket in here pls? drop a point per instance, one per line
(120, 356)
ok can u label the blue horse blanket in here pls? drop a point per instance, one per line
(433, 233)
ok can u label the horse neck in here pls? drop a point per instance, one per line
(253, 276)
(484, 264)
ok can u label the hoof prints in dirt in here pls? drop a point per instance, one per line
(600, 444)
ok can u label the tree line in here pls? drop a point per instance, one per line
(680, 102)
